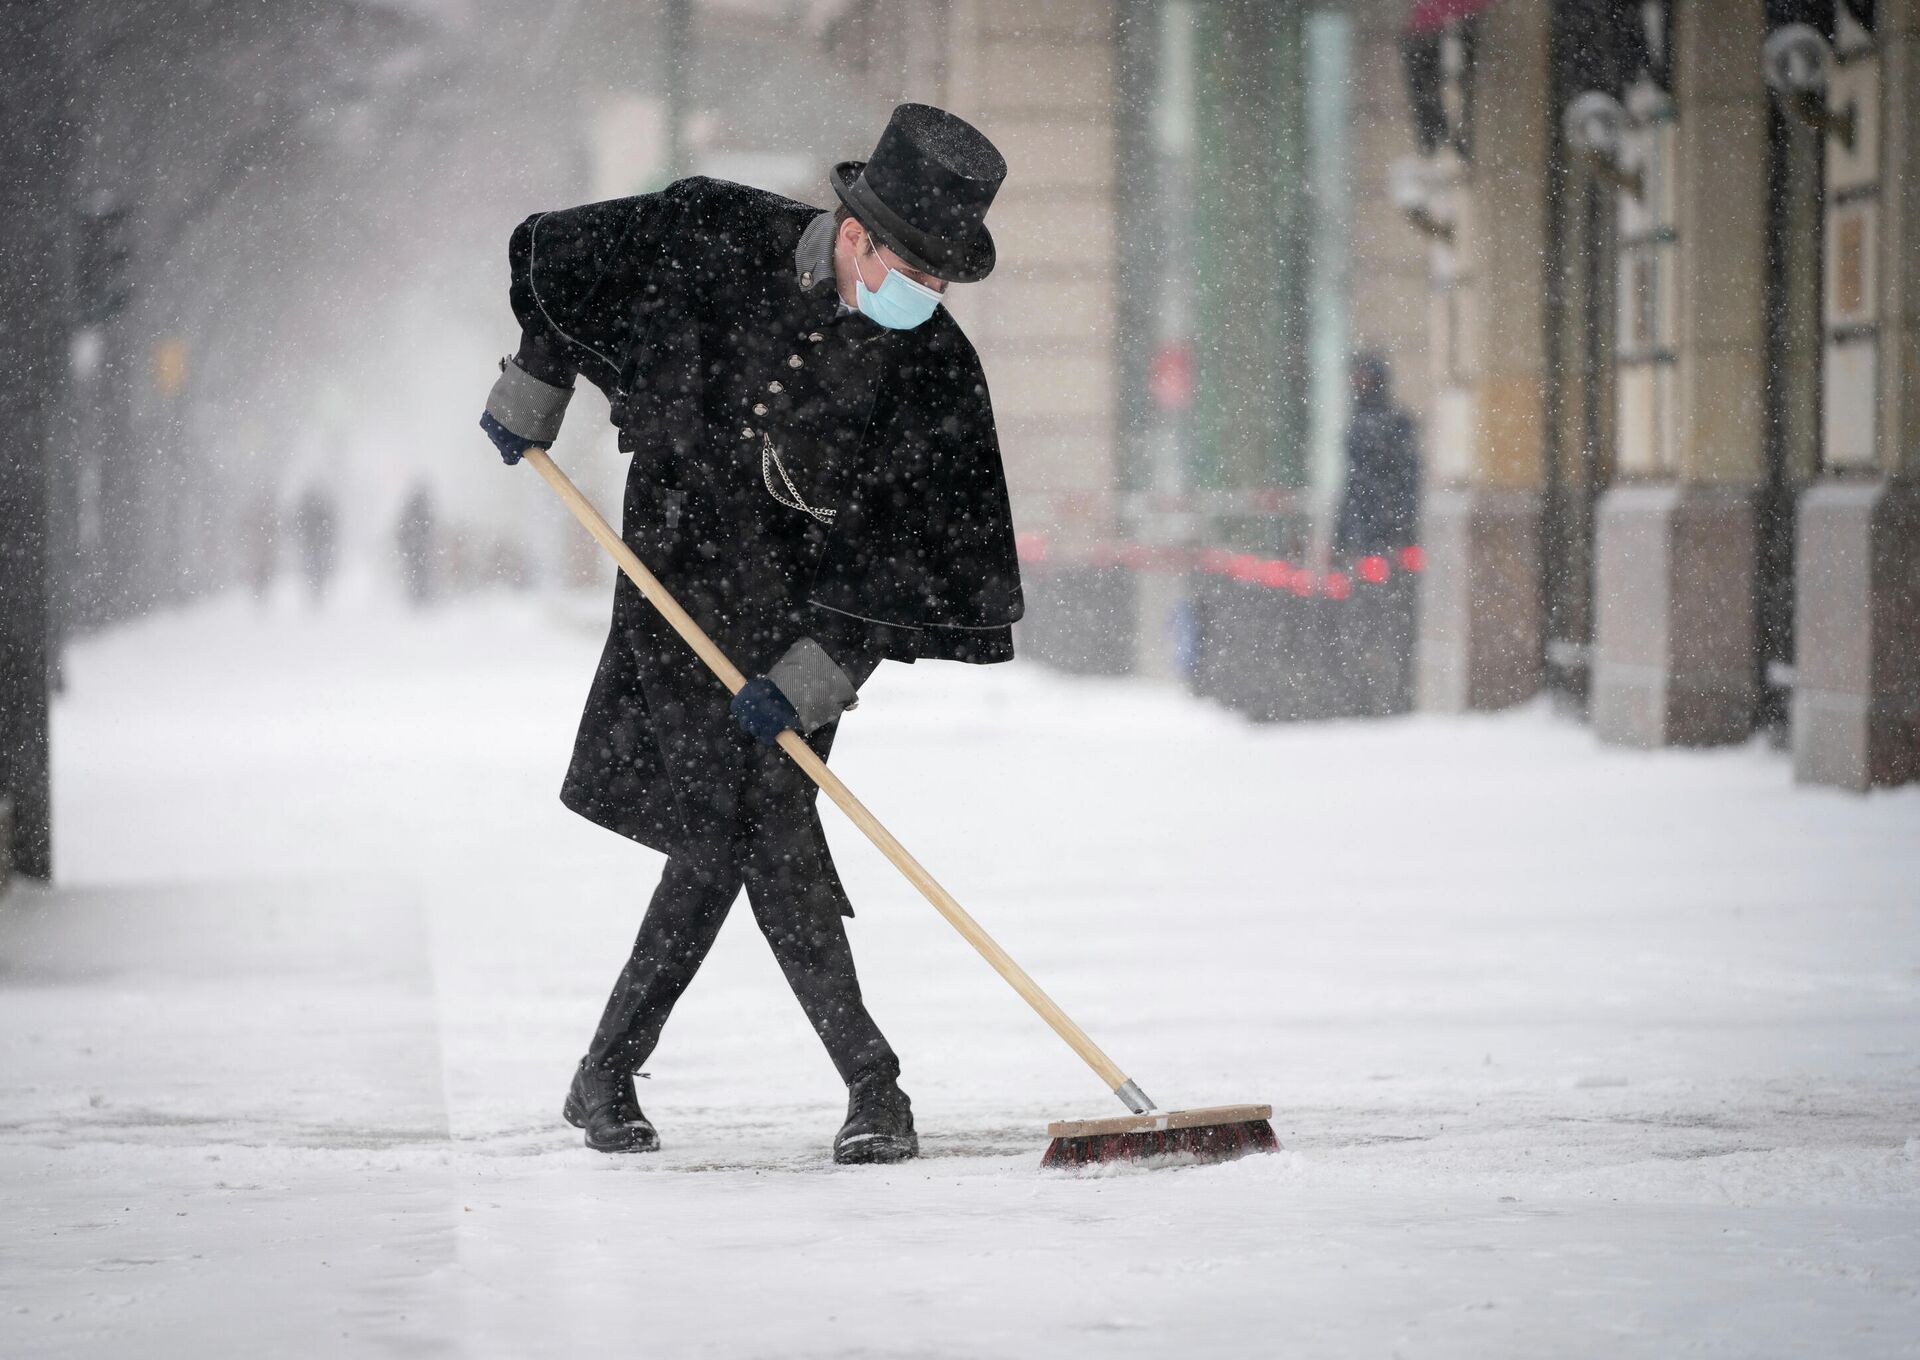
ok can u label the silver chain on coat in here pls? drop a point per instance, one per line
(769, 461)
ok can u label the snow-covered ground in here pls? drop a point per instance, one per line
(1572, 1051)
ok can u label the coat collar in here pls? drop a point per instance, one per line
(813, 256)
(813, 275)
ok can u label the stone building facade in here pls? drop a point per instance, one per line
(1664, 347)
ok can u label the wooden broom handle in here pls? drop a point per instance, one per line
(816, 768)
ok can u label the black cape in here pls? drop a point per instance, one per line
(795, 473)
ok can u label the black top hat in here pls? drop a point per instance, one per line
(925, 191)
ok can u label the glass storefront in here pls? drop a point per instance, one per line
(1235, 205)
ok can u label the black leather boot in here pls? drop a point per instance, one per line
(879, 1125)
(603, 1103)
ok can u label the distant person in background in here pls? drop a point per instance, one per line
(260, 527)
(313, 526)
(1381, 508)
(413, 536)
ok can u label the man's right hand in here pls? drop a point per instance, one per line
(763, 712)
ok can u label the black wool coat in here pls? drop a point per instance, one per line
(1380, 509)
(795, 473)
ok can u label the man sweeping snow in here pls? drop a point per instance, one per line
(816, 478)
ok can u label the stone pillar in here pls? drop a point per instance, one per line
(1676, 540)
(1856, 708)
(1856, 699)
(1480, 598)
(1037, 77)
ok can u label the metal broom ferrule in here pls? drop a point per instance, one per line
(1134, 1098)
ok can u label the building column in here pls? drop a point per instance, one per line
(1856, 708)
(1479, 644)
(1037, 77)
(1676, 540)
(1856, 699)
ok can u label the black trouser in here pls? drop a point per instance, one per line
(809, 940)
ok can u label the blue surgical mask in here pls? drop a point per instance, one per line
(899, 303)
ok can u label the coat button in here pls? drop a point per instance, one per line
(759, 408)
(775, 386)
(746, 431)
(816, 337)
(793, 361)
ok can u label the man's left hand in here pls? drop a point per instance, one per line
(763, 711)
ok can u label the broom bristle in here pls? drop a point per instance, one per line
(1200, 1143)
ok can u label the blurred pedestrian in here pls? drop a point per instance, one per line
(314, 529)
(1380, 510)
(413, 537)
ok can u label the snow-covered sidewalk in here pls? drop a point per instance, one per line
(1573, 1051)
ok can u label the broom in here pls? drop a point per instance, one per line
(1210, 1135)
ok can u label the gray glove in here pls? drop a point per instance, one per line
(814, 684)
(523, 412)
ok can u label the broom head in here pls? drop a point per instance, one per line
(1218, 1134)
